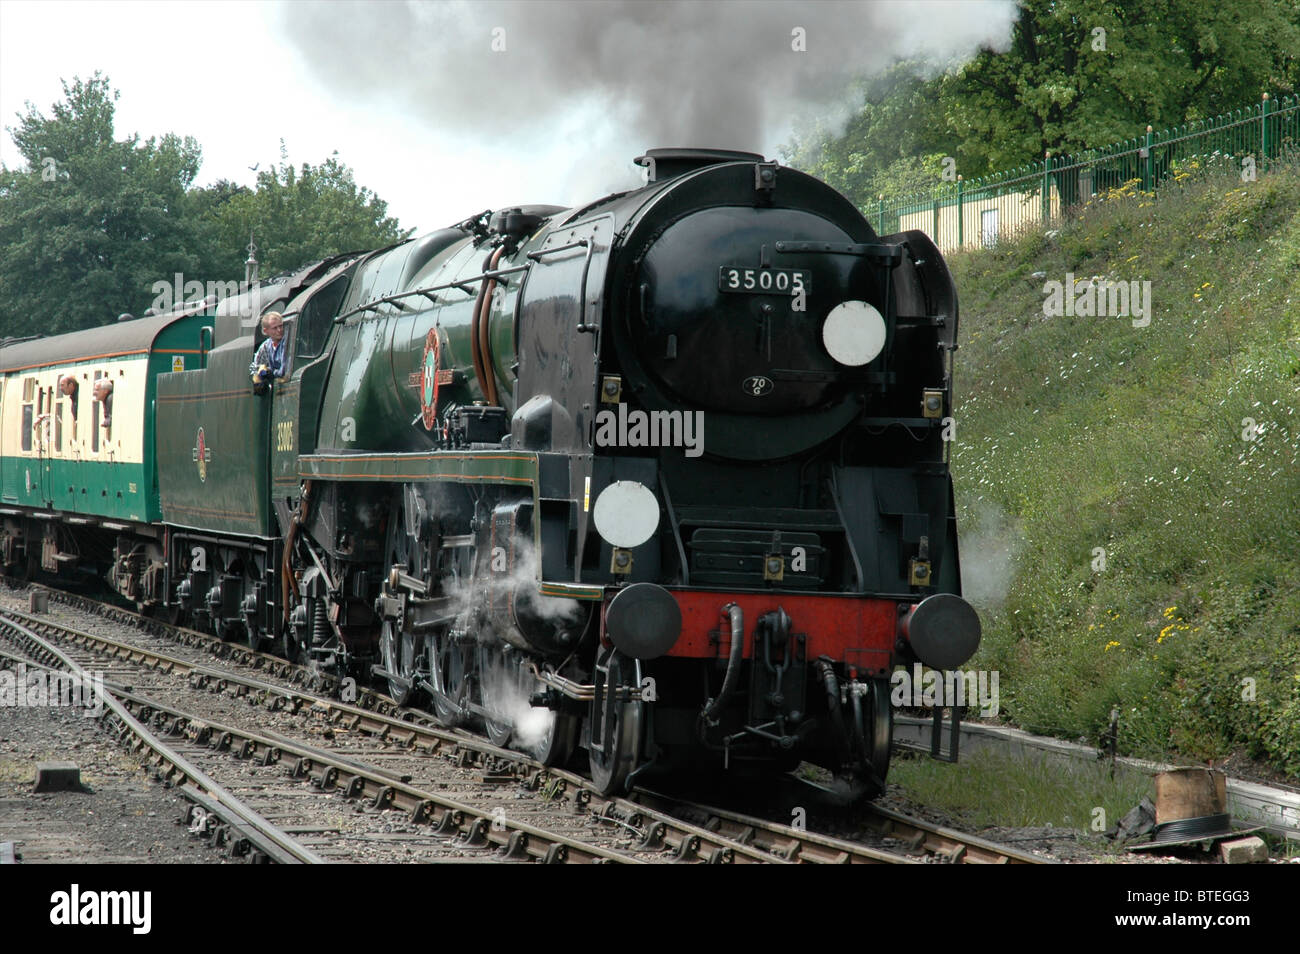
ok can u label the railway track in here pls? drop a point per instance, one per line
(215, 809)
(259, 760)
(654, 825)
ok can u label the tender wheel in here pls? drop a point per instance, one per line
(293, 649)
(254, 638)
(613, 723)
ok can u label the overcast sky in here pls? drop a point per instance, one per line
(446, 109)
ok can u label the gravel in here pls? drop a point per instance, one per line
(122, 818)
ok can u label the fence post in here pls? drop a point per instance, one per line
(961, 215)
(880, 213)
(1149, 183)
(1047, 186)
(934, 218)
(1263, 133)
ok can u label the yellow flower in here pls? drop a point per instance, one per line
(1110, 644)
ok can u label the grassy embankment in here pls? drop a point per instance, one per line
(1174, 447)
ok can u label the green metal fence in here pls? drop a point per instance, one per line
(975, 214)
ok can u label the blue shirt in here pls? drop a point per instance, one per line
(275, 357)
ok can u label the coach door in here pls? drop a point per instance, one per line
(45, 443)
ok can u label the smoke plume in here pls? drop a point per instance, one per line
(608, 78)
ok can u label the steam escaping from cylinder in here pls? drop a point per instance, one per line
(508, 690)
(532, 723)
(518, 574)
(621, 76)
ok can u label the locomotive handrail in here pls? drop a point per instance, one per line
(581, 243)
(890, 253)
(590, 246)
(428, 291)
(465, 284)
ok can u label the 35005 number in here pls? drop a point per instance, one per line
(284, 435)
(762, 281)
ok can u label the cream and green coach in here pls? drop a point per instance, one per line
(77, 459)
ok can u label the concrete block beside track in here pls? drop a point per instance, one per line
(58, 777)
(1243, 851)
(1275, 809)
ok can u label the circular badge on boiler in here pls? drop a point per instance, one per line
(757, 386)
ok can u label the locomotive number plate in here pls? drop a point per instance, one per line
(763, 281)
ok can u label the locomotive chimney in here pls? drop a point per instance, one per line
(662, 164)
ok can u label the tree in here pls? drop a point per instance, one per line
(220, 260)
(93, 221)
(1161, 62)
(1079, 74)
(302, 215)
(899, 121)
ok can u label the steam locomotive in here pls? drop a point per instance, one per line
(662, 478)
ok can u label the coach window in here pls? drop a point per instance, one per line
(94, 414)
(68, 389)
(104, 394)
(43, 408)
(29, 412)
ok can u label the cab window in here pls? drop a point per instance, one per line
(317, 318)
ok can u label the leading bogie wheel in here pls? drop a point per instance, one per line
(614, 723)
(870, 731)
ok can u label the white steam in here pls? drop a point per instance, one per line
(508, 690)
(990, 544)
